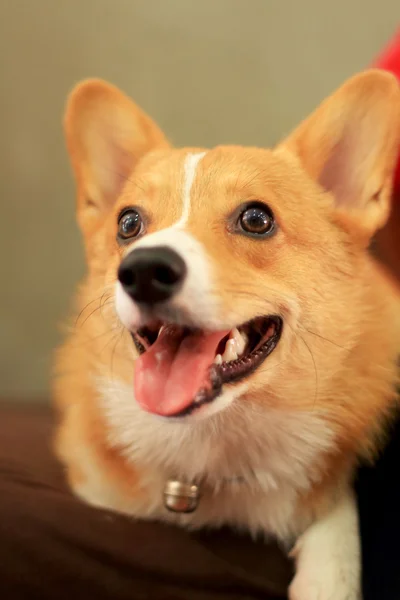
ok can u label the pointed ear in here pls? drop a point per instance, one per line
(350, 145)
(106, 136)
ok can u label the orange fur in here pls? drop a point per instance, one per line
(329, 186)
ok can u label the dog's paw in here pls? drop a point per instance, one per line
(331, 582)
(314, 590)
(327, 556)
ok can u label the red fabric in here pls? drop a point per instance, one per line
(389, 60)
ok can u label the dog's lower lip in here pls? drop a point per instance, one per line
(227, 372)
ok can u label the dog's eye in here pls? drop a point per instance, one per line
(257, 220)
(129, 224)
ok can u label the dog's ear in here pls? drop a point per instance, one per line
(106, 136)
(350, 145)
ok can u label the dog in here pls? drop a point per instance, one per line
(233, 352)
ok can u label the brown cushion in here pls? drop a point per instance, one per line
(53, 546)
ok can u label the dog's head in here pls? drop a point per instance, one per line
(229, 265)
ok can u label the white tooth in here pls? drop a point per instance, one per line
(160, 330)
(218, 360)
(230, 351)
(240, 339)
(233, 334)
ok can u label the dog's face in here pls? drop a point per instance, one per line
(229, 266)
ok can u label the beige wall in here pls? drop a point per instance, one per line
(209, 71)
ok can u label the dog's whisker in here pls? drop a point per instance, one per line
(315, 368)
(120, 332)
(104, 296)
(98, 308)
(128, 179)
(89, 339)
(297, 334)
(113, 352)
(323, 338)
(83, 310)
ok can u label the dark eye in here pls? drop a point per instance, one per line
(257, 220)
(129, 224)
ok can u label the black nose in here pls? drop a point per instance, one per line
(151, 275)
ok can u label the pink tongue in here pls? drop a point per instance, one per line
(171, 372)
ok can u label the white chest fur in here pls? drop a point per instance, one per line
(252, 463)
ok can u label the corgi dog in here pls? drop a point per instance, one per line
(233, 354)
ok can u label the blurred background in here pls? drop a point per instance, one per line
(214, 71)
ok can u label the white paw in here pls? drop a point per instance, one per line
(331, 582)
(328, 556)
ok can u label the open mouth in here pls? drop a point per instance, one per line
(181, 369)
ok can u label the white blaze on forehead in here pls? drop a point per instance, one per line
(196, 297)
(191, 163)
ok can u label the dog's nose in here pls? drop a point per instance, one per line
(151, 275)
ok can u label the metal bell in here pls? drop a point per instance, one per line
(181, 497)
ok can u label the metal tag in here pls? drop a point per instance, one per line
(181, 497)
